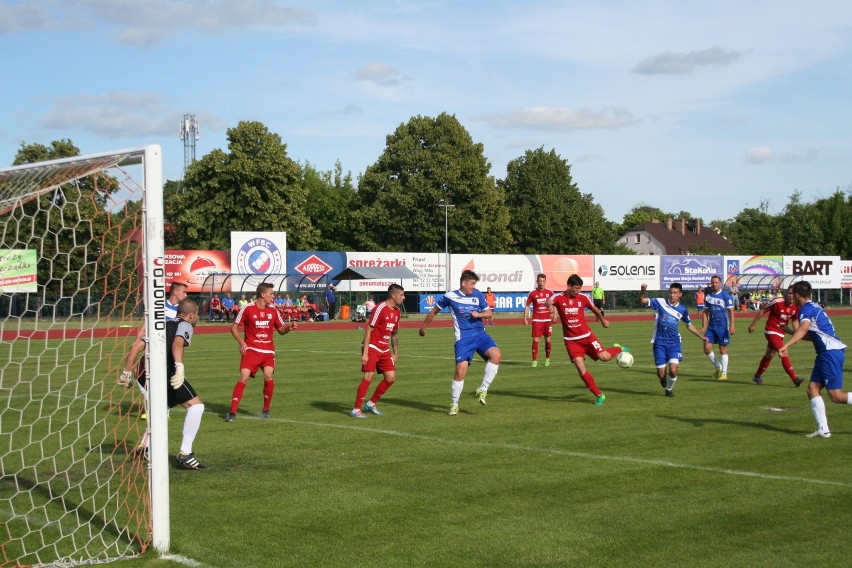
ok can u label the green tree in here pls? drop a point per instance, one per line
(835, 216)
(802, 227)
(254, 186)
(80, 241)
(641, 214)
(549, 215)
(332, 199)
(426, 160)
(754, 231)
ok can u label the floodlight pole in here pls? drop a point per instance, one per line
(443, 203)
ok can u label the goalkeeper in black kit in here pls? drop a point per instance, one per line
(178, 337)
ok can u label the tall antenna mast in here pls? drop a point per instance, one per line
(190, 134)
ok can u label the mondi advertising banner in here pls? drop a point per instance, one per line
(513, 273)
(627, 272)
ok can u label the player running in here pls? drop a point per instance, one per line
(571, 307)
(469, 308)
(379, 351)
(782, 313)
(666, 340)
(830, 354)
(542, 322)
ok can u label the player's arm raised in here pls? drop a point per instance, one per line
(642, 298)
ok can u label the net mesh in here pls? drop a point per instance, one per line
(73, 488)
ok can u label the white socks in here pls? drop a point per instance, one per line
(712, 357)
(725, 363)
(490, 373)
(456, 390)
(190, 427)
(670, 382)
(818, 410)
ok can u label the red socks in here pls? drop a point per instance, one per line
(268, 389)
(590, 382)
(237, 397)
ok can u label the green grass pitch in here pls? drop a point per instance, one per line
(720, 475)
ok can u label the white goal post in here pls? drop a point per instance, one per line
(81, 268)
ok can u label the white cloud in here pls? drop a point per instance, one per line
(146, 22)
(120, 115)
(380, 74)
(561, 119)
(672, 63)
(759, 155)
(20, 17)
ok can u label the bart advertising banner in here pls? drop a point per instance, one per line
(820, 271)
(692, 272)
(194, 266)
(262, 256)
(627, 271)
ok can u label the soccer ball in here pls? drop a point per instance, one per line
(624, 360)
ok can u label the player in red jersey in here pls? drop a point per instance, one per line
(379, 351)
(259, 319)
(571, 307)
(542, 322)
(782, 314)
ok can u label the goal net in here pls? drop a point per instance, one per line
(75, 286)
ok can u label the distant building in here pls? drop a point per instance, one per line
(675, 238)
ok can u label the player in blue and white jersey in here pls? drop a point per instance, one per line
(717, 325)
(177, 294)
(668, 314)
(469, 308)
(816, 326)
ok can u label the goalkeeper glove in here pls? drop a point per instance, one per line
(126, 379)
(177, 379)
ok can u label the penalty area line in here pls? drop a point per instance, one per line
(183, 560)
(572, 454)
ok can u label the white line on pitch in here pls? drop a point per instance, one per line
(581, 455)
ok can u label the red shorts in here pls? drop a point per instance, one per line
(775, 342)
(542, 328)
(378, 361)
(254, 360)
(589, 345)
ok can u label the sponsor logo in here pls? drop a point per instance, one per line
(812, 267)
(259, 256)
(516, 276)
(733, 267)
(691, 266)
(314, 267)
(626, 270)
(376, 263)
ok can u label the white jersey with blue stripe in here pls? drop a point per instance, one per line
(718, 304)
(668, 317)
(821, 330)
(171, 311)
(461, 307)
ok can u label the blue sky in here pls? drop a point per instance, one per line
(705, 106)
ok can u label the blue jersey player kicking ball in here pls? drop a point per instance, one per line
(469, 308)
(815, 326)
(668, 314)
